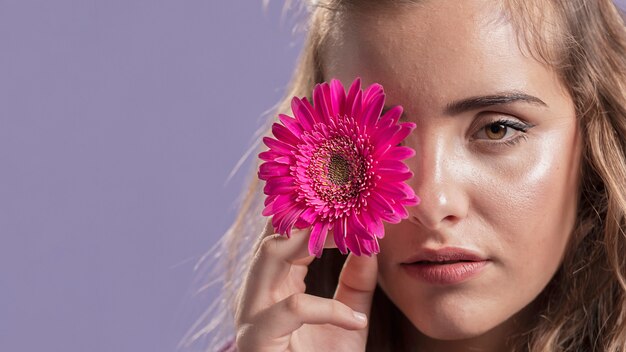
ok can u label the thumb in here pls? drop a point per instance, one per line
(357, 282)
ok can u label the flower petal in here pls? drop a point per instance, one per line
(374, 224)
(303, 114)
(269, 155)
(269, 199)
(338, 97)
(358, 239)
(301, 223)
(372, 110)
(270, 169)
(352, 241)
(393, 175)
(294, 200)
(372, 92)
(358, 228)
(281, 203)
(378, 228)
(391, 117)
(291, 123)
(282, 133)
(285, 159)
(280, 185)
(400, 210)
(317, 239)
(381, 139)
(278, 146)
(319, 102)
(309, 215)
(290, 218)
(355, 87)
(328, 100)
(267, 211)
(339, 233)
(399, 153)
(405, 129)
(395, 165)
(390, 190)
(357, 106)
(412, 201)
(410, 193)
(384, 210)
(370, 246)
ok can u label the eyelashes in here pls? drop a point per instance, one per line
(495, 128)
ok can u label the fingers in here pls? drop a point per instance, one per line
(357, 282)
(278, 269)
(291, 313)
(276, 258)
(277, 254)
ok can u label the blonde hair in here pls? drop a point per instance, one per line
(583, 308)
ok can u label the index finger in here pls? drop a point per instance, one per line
(276, 258)
(296, 251)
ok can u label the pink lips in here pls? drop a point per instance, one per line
(445, 266)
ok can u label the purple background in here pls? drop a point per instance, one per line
(120, 121)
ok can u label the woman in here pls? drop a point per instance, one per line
(520, 109)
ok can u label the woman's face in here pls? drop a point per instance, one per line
(506, 195)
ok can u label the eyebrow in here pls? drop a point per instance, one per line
(502, 98)
(473, 103)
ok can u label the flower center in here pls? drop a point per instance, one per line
(338, 170)
(333, 169)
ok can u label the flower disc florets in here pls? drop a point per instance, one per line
(334, 168)
(337, 167)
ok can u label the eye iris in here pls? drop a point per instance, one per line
(495, 131)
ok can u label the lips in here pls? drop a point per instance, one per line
(445, 266)
(447, 255)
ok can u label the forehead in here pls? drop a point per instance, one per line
(438, 50)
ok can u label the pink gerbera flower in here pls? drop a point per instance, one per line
(337, 166)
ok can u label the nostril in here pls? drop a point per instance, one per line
(441, 205)
(450, 218)
(431, 218)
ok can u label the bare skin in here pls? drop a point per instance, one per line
(276, 315)
(507, 194)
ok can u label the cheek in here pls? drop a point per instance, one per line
(532, 207)
(521, 212)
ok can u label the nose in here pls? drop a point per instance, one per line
(438, 182)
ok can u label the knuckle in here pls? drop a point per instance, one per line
(269, 244)
(339, 309)
(244, 337)
(294, 303)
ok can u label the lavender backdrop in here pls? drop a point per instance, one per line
(119, 123)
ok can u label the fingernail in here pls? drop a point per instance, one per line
(359, 316)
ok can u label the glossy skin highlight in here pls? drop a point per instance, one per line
(508, 195)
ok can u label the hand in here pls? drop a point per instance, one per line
(274, 313)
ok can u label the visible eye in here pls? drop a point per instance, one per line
(503, 131)
(496, 131)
